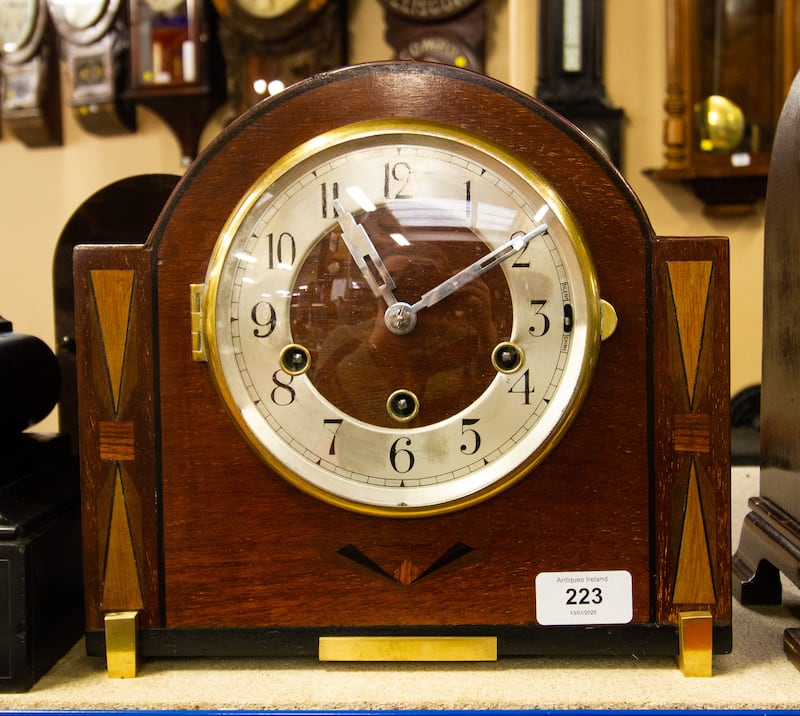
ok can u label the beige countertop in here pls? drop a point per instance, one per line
(756, 675)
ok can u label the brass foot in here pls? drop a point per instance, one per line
(121, 651)
(695, 640)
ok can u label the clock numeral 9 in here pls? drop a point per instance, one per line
(263, 315)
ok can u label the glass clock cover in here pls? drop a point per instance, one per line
(401, 318)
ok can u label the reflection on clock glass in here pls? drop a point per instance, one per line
(80, 14)
(403, 319)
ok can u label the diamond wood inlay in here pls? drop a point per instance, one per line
(113, 292)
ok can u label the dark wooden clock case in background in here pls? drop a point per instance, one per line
(219, 555)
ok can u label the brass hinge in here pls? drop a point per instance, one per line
(197, 291)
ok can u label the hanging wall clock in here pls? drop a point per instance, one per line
(31, 88)
(453, 33)
(270, 45)
(571, 38)
(94, 44)
(413, 374)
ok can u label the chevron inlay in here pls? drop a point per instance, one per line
(690, 283)
(406, 572)
(113, 292)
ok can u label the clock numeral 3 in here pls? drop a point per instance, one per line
(542, 325)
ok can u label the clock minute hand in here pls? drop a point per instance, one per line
(481, 266)
(361, 248)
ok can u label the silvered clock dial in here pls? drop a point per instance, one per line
(401, 318)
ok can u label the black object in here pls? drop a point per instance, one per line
(29, 380)
(746, 426)
(41, 607)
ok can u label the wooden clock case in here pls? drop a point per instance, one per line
(216, 554)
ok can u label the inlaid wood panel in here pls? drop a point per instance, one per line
(692, 426)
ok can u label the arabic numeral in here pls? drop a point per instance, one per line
(401, 458)
(396, 181)
(522, 386)
(264, 316)
(282, 394)
(281, 251)
(584, 596)
(542, 320)
(329, 195)
(473, 443)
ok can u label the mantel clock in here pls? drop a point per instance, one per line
(409, 378)
(769, 544)
(31, 87)
(94, 46)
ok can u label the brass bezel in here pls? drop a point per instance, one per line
(448, 133)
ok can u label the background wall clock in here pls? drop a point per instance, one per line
(31, 101)
(453, 33)
(94, 43)
(270, 45)
(571, 38)
(414, 372)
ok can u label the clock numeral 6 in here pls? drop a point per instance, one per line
(401, 459)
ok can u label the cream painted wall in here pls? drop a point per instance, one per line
(41, 188)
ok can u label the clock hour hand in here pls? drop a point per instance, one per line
(365, 255)
(481, 266)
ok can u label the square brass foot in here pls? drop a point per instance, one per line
(121, 647)
(695, 640)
